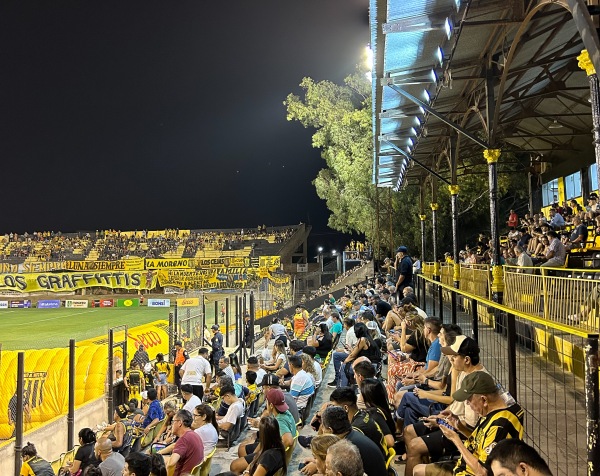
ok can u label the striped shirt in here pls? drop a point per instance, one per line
(302, 388)
(494, 427)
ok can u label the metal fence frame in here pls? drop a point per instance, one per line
(549, 367)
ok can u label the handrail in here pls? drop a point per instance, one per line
(501, 307)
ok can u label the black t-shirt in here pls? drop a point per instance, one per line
(271, 460)
(366, 422)
(405, 270)
(382, 308)
(325, 344)
(85, 454)
(373, 460)
(582, 231)
(421, 346)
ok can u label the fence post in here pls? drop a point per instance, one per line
(19, 416)
(226, 322)
(217, 313)
(441, 299)
(475, 320)
(453, 303)
(175, 328)
(592, 403)
(511, 329)
(171, 340)
(424, 294)
(111, 372)
(237, 330)
(71, 414)
(252, 310)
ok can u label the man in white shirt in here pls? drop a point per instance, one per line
(195, 371)
(236, 409)
(301, 387)
(191, 400)
(253, 365)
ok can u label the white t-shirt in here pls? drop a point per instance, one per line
(192, 403)
(195, 369)
(229, 372)
(319, 372)
(209, 437)
(260, 373)
(235, 411)
(351, 339)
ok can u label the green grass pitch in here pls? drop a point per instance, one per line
(22, 329)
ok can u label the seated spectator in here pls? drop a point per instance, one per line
(137, 464)
(523, 260)
(322, 340)
(252, 387)
(270, 456)
(275, 408)
(308, 360)
(278, 357)
(234, 411)
(319, 446)
(225, 366)
(301, 387)
(335, 421)
(270, 381)
(191, 400)
(344, 459)
(556, 219)
(496, 423)
(514, 456)
(579, 235)
(296, 348)
(371, 422)
(155, 413)
(85, 455)
(33, 465)
(556, 253)
(189, 449)
(365, 347)
(252, 364)
(164, 441)
(348, 341)
(205, 425)
(112, 463)
(336, 328)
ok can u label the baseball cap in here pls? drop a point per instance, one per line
(122, 410)
(144, 395)
(475, 383)
(372, 325)
(270, 380)
(178, 342)
(463, 345)
(214, 327)
(276, 398)
(402, 249)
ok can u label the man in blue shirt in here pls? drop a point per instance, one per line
(155, 412)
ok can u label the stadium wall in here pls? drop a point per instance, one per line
(50, 440)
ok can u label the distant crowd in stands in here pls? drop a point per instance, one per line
(115, 245)
(539, 240)
(323, 290)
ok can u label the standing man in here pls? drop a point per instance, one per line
(217, 346)
(189, 449)
(180, 356)
(195, 371)
(404, 270)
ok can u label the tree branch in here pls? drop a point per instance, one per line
(472, 204)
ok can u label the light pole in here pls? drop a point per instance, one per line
(320, 256)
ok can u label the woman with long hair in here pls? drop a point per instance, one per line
(278, 357)
(271, 456)
(161, 370)
(205, 424)
(319, 446)
(413, 347)
(375, 397)
(308, 365)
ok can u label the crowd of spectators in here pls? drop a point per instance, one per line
(115, 245)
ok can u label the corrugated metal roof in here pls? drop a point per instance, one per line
(543, 82)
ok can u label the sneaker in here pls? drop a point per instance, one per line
(332, 384)
(305, 441)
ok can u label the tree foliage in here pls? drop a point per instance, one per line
(342, 118)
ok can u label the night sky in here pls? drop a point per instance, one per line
(133, 115)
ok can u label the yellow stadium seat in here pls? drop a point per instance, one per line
(390, 457)
(203, 469)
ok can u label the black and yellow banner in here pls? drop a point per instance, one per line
(63, 282)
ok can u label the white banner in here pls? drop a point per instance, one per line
(159, 303)
(3, 304)
(76, 303)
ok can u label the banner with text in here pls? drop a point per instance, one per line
(63, 282)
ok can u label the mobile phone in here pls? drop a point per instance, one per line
(442, 422)
(301, 466)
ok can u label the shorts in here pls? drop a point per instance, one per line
(161, 379)
(437, 444)
(250, 452)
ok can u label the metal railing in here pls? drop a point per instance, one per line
(570, 297)
(549, 367)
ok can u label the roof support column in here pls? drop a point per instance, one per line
(423, 217)
(436, 266)
(585, 63)
(454, 189)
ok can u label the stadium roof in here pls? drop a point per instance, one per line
(434, 61)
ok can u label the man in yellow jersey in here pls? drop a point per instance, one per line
(497, 422)
(134, 381)
(300, 320)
